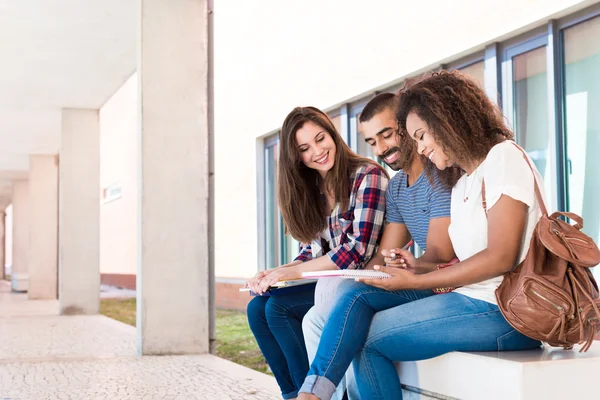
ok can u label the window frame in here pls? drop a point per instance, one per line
(266, 142)
(556, 29)
(465, 61)
(578, 17)
(354, 110)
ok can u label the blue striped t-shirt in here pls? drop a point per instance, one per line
(415, 205)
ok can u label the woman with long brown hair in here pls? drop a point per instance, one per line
(454, 123)
(333, 202)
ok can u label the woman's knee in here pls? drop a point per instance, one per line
(277, 307)
(256, 310)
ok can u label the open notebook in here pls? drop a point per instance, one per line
(347, 273)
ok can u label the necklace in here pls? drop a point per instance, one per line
(470, 180)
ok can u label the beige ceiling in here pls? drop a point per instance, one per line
(57, 54)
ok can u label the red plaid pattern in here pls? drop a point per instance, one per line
(354, 234)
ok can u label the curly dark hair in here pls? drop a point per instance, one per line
(461, 117)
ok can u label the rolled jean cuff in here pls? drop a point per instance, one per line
(290, 395)
(320, 386)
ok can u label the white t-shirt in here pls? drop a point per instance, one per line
(505, 172)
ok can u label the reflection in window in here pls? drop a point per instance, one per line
(582, 122)
(475, 71)
(363, 148)
(279, 247)
(336, 122)
(530, 113)
(272, 216)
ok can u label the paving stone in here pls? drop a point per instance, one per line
(46, 356)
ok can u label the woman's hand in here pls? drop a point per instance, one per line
(254, 282)
(401, 279)
(279, 274)
(400, 258)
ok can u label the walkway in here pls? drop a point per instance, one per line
(47, 356)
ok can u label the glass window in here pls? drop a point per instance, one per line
(363, 148)
(582, 122)
(279, 247)
(337, 123)
(475, 71)
(272, 215)
(530, 113)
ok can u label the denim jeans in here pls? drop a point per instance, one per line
(276, 323)
(428, 328)
(313, 325)
(346, 331)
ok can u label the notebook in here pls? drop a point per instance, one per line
(285, 287)
(347, 274)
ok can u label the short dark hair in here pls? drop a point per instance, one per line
(377, 104)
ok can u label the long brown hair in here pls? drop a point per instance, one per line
(300, 199)
(461, 117)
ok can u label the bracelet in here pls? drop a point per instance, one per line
(449, 289)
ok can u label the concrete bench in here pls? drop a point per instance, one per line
(543, 374)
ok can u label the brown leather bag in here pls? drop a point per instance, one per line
(552, 295)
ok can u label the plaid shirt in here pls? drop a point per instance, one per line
(352, 236)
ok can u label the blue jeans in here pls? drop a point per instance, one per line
(276, 323)
(428, 328)
(346, 331)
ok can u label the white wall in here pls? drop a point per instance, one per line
(118, 164)
(271, 55)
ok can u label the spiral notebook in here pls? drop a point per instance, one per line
(347, 274)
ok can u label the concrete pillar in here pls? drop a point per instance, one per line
(79, 213)
(2, 244)
(20, 261)
(43, 222)
(173, 273)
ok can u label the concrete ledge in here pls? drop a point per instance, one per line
(536, 374)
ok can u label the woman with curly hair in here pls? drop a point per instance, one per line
(454, 124)
(333, 201)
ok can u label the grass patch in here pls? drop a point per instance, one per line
(120, 309)
(235, 341)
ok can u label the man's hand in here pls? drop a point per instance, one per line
(401, 279)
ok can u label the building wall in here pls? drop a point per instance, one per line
(325, 53)
(310, 53)
(118, 168)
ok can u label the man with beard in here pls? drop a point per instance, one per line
(417, 201)
(417, 208)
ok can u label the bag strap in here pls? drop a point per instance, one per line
(573, 217)
(536, 187)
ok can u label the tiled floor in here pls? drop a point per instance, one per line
(46, 356)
